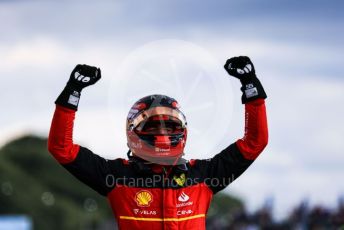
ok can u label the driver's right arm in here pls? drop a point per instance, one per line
(88, 167)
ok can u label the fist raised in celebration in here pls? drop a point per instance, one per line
(81, 77)
(240, 67)
(84, 75)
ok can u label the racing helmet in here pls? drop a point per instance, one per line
(156, 129)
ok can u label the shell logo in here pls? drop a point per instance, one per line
(143, 198)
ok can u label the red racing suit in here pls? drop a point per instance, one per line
(151, 197)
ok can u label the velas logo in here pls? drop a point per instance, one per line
(144, 212)
(143, 198)
(183, 197)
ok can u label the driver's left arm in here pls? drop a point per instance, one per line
(230, 163)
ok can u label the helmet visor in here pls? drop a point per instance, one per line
(160, 125)
(158, 114)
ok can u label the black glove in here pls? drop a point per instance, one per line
(242, 68)
(81, 77)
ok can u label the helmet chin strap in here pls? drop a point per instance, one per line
(128, 154)
(131, 157)
(145, 167)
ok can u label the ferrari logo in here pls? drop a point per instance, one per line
(180, 180)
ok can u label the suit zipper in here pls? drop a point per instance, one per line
(163, 196)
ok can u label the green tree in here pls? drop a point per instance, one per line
(33, 184)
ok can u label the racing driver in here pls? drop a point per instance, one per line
(155, 187)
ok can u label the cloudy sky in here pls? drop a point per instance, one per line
(178, 48)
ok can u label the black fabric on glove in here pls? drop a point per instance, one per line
(81, 77)
(242, 68)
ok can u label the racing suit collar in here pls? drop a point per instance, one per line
(145, 167)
